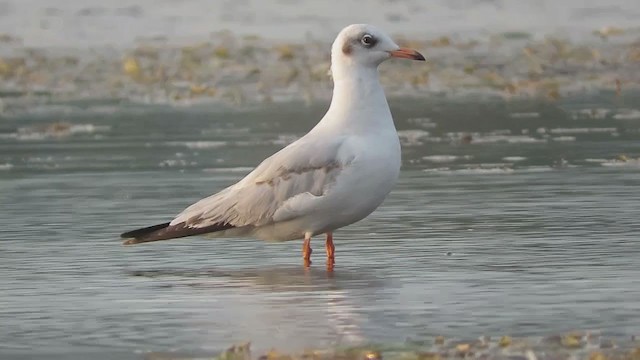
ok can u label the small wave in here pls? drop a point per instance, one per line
(284, 139)
(561, 164)
(26, 136)
(40, 160)
(445, 158)
(510, 139)
(525, 115)
(582, 130)
(251, 143)
(500, 132)
(564, 138)
(56, 130)
(6, 167)
(622, 160)
(66, 110)
(540, 168)
(627, 114)
(488, 169)
(239, 169)
(514, 158)
(177, 163)
(597, 114)
(424, 123)
(488, 165)
(435, 139)
(46, 109)
(88, 128)
(474, 169)
(437, 170)
(225, 131)
(198, 144)
(621, 163)
(412, 137)
(483, 171)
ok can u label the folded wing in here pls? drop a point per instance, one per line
(282, 187)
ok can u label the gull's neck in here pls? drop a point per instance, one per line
(358, 101)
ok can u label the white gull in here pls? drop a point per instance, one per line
(335, 175)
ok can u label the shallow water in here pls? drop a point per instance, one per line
(509, 218)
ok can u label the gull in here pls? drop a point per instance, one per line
(335, 175)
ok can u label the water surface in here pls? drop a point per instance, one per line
(509, 218)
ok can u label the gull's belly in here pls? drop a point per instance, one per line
(357, 192)
(365, 187)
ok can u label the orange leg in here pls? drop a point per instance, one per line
(331, 249)
(306, 249)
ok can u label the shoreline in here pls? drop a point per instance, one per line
(571, 345)
(241, 70)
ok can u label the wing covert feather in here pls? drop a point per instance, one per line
(288, 181)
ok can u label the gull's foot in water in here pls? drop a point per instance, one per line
(331, 249)
(306, 250)
(330, 264)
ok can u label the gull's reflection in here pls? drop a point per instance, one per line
(288, 307)
(272, 279)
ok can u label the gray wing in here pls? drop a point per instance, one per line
(282, 187)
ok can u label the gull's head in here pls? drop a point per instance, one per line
(363, 45)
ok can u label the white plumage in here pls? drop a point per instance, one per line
(335, 175)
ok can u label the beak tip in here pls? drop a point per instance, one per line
(406, 53)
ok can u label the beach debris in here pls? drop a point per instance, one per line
(463, 349)
(428, 356)
(634, 354)
(274, 354)
(607, 344)
(597, 355)
(222, 52)
(562, 346)
(505, 341)
(240, 351)
(509, 65)
(131, 67)
(5, 68)
(571, 340)
(285, 52)
(607, 31)
(372, 355)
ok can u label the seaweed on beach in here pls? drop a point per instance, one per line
(240, 69)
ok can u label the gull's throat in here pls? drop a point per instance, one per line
(358, 100)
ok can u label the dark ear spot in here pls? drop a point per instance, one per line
(347, 49)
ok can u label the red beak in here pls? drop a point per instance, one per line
(406, 53)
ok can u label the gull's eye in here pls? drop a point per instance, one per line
(368, 40)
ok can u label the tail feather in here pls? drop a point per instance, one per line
(166, 231)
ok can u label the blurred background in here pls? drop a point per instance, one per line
(512, 231)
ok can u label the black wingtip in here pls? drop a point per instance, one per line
(143, 231)
(166, 232)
